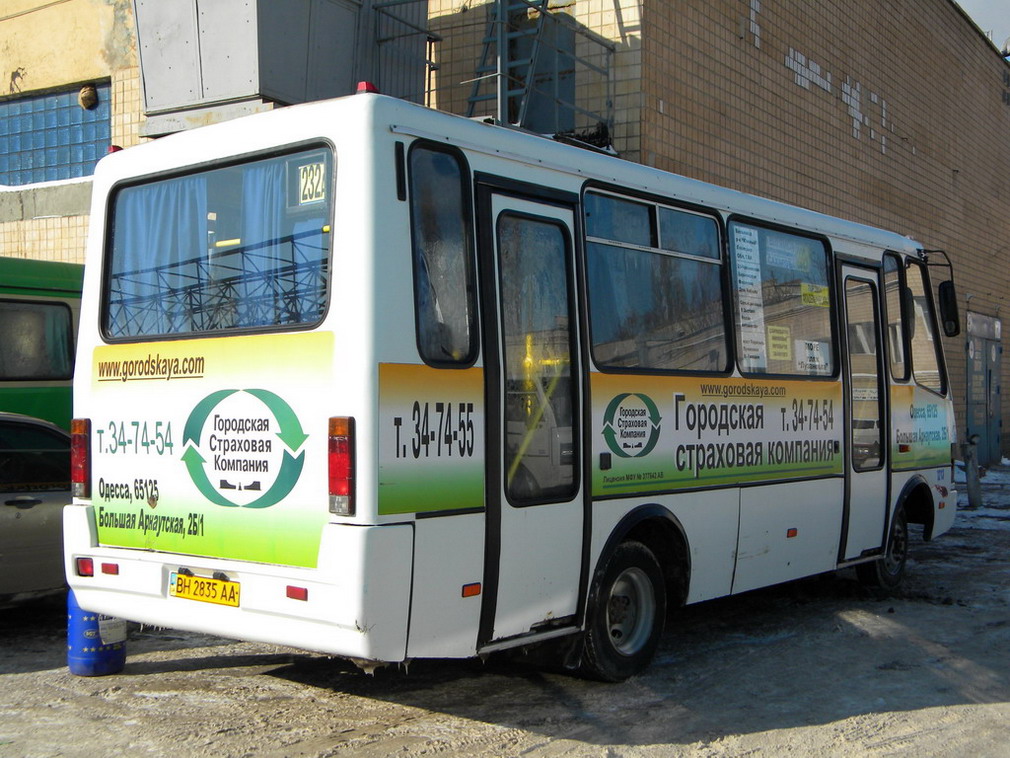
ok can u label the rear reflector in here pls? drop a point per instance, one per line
(110, 568)
(85, 567)
(341, 465)
(298, 593)
(80, 457)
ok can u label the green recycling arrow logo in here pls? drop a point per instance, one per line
(645, 421)
(290, 434)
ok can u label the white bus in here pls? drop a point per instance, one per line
(368, 379)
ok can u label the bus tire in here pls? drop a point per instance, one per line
(888, 571)
(626, 616)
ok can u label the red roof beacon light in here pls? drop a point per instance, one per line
(367, 87)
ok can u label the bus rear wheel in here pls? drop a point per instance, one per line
(888, 571)
(627, 612)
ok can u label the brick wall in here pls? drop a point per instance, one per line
(895, 114)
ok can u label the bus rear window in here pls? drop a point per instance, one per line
(240, 247)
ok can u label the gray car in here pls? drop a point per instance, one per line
(34, 487)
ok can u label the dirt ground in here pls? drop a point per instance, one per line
(820, 666)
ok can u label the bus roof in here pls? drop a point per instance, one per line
(363, 111)
(542, 151)
(27, 276)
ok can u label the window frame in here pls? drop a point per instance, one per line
(721, 261)
(881, 378)
(513, 497)
(830, 285)
(899, 271)
(904, 262)
(71, 128)
(17, 425)
(71, 342)
(469, 257)
(290, 149)
(932, 323)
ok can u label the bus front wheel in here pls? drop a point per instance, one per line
(888, 570)
(627, 612)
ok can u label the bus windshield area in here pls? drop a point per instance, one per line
(244, 246)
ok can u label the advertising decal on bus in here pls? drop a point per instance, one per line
(921, 438)
(655, 434)
(210, 471)
(431, 439)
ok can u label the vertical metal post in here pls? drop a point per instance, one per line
(970, 451)
(503, 56)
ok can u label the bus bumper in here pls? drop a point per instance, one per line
(355, 605)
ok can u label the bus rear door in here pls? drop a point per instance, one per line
(535, 516)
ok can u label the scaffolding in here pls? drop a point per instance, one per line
(544, 72)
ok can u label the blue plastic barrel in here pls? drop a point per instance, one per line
(96, 644)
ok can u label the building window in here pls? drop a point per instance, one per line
(48, 137)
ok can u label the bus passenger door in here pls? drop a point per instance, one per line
(866, 401)
(533, 561)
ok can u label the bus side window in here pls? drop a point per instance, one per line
(655, 286)
(782, 302)
(925, 363)
(895, 321)
(442, 241)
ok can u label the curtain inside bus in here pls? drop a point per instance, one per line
(159, 240)
(237, 247)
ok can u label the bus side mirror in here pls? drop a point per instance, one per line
(948, 309)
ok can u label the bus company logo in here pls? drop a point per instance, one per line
(241, 448)
(631, 425)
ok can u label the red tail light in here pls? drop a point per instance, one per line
(341, 465)
(80, 457)
(85, 567)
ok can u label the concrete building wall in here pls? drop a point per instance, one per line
(50, 45)
(55, 46)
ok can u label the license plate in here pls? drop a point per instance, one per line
(204, 589)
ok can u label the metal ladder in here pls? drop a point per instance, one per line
(513, 78)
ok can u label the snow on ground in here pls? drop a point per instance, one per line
(995, 510)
